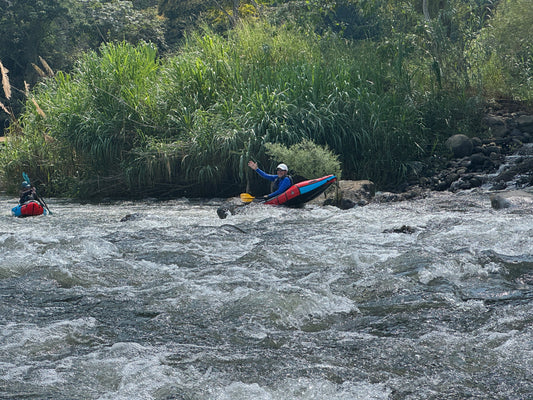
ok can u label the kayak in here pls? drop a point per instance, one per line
(302, 192)
(28, 209)
(295, 196)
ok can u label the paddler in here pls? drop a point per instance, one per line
(27, 193)
(280, 182)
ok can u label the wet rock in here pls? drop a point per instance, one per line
(230, 207)
(495, 125)
(525, 123)
(223, 212)
(500, 185)
(498, 202)
(348, 194)
(518, 199)
(130, 217)
(403, 229)
(388, 197)
(521, 166)
(460, 145)
(466, 182)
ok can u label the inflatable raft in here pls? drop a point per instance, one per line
(28, 209)
(302, 192)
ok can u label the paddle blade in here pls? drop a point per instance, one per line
(246, 198)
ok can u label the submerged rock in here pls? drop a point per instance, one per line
(498, 202)
(402, 229)
(515, 198)
(130, 217)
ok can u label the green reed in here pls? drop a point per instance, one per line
(129, 123)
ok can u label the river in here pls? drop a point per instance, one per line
(270, 303)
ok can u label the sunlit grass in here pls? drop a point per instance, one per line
(188, 123)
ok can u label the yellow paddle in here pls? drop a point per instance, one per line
(247, 198)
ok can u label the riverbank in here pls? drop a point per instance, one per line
(502, 161)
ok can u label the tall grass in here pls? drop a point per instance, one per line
(127, 123)
(502, 54)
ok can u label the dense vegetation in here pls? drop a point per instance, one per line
(380, 85)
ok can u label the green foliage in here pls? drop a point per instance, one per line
(503, 53)
(60, 30)
(306, 158)
(125, 122)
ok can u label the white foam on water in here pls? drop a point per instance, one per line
(304, 389)
(269, 303)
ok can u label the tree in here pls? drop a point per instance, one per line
(60, 30)
(183, 15)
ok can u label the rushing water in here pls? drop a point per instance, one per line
(271, 303)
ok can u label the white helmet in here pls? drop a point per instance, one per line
(283, 167)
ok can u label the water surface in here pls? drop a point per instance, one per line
(271, 303)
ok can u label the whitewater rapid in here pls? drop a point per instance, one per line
(271, 303)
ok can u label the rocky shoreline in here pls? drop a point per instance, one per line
(501, 162)
(501, 165)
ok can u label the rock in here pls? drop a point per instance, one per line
(500, 185)
(515, 199)
(466, 182)
(522, 166)
(130, 217)
(478, 160)
(526, 150)
(223, 212)
(476, 142)
(498, 202)
(402, 229)
(387, 197)
(349, 194)
(460, 145)
(525, 123)
(491, 148)
(495, 125)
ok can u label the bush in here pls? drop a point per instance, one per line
(306, 159)
(503, 52)
(126, 123)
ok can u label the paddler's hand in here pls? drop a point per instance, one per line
(252, 165)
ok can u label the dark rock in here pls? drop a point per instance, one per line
(500, 185)
(522, 166)
(478, 159)
(460, 145)
(403, 229)
(348, 194)
(525, 123)
(491, 148)
(476, 142)
(498, 202)
(346, 204)
(517, 199)
(129, 217)
(495, 125)
(223, 212)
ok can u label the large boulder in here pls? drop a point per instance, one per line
(460, 145)
(496, 125)
(347, 194)
(525, 123)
